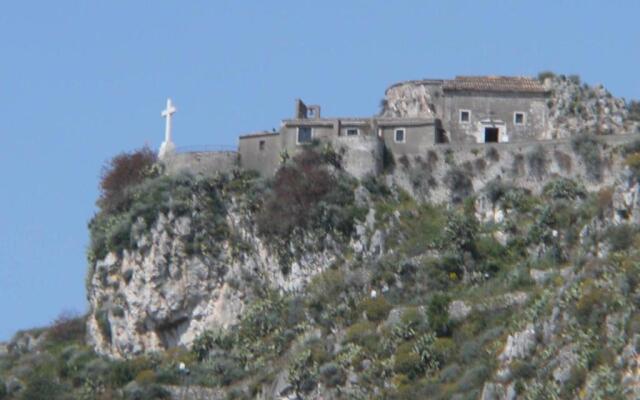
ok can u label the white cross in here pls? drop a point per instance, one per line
(167, 113)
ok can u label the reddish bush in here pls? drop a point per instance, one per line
(122, 171)
(67, 326)
(297, 190)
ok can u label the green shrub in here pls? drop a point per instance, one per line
(331, 374)
(102, 318)
(302, 372)
(621, 237)
(237, 394)
(407, 361)
(3, 390)
(376, 186)
(376, 309)
(542, 76)
(588, 148)
(148, 392)
(575, 79)
(41, 386)
(145, 377)
(537, 159)
(325, 288)
(364, 334)
(564, 188)
(470, 351)
(521, 369)
(450, 373)
(633, 162)
(121, 373)
(634, 110)
(459, 183)
(226, 370)
(262, 317)
(438, 313)
(473, 378)
(209, 340)
(460, 232)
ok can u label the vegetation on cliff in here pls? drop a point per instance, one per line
(499, 291)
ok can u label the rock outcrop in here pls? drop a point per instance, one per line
(160, 295)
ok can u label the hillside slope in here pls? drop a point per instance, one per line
(482, 272)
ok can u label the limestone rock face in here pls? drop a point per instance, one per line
(519, 345)
(162, 294)
(410, 100)
(580, 108)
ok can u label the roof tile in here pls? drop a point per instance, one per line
(494, 84)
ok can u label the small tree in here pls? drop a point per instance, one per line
(121, 172)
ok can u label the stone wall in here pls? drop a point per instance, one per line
(428, 175)
(260, 153)
(361, 155)
(201, 163)
(420, 135)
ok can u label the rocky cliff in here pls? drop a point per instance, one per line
(496, 272)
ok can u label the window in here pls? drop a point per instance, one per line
(518, 118)
(352, 131)
(399, 135)
(261, 145)
(465, 116)
(304, 135)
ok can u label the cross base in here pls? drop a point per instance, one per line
(166, 149)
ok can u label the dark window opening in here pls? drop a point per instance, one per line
(304, 134)
(352, 132)
(441, 136)
(465, 116)
(491, 135)
(261, 145)
(399, 135)
(519, 118)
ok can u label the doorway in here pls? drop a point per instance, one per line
(491, 135)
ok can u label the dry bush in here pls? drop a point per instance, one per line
(563, 160)
(121, 172)
(518, 166)
(537, 159)
(67, 326)
(305, 192)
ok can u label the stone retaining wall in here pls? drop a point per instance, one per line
(201, 163)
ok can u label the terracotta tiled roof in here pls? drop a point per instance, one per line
(494, 84)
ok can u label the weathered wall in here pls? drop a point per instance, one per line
(321, 129)
(265, 160)
(364, 126)
(418, 138)
(361, 155)
(495, 107)
(204, 163)
(426, 175)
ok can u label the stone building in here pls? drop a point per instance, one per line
(417, 116)
(476, 109)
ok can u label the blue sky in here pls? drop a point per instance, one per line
(83, 80)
